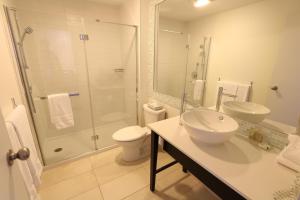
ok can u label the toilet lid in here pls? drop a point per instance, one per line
(129, 134)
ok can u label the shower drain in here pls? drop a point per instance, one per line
(58, 150)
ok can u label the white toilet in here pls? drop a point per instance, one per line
(134, 139)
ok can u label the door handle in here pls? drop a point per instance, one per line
(22, 154)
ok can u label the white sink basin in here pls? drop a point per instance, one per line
(247, 111)
(209, 126)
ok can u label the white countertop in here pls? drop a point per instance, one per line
(249, 170)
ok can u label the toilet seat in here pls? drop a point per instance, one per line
(128, 134)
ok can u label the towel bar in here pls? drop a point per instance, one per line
(70, 94)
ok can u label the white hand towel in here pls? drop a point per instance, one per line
(18, 118)
(229, 88)
(198, 89)
(243, 92)
(23, 166)
(60, 109)
(290, 156)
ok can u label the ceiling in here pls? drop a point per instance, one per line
(109, 2)
(184, 10)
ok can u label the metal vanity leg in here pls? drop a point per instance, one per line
(184, 169)
(153, 161)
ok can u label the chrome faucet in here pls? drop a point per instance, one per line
(219, 98)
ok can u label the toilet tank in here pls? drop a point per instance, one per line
(152, 116)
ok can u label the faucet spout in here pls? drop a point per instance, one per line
(219, 98)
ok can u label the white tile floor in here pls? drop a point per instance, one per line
(105, 177)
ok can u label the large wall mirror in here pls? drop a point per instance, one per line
(249, 48)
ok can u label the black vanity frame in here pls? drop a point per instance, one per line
(213, 183)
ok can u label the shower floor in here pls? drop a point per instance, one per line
(79, 142)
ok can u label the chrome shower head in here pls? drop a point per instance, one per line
(27, 30)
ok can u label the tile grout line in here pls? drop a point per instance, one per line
(65, 179)
(73, 176)
(91, 170)
(80, 193)
(135, 192)
(83, 191)
(101, 192)
(130, 171)
(148, 185)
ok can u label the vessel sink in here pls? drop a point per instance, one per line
(209, 126)
(247, 111)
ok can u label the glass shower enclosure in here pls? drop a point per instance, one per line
(95, 62)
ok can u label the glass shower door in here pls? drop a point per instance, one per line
(112, 63)
(54, 62)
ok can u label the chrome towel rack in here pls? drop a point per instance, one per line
(72, 94)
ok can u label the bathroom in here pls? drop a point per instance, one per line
(99, 81)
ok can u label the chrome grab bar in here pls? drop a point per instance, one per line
(119, 70)
(70, 94)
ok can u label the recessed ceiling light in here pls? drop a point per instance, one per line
(201, 3)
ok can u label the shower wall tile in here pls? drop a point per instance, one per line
(57, 60)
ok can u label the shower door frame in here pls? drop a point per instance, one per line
(137, 73)
(29, 99)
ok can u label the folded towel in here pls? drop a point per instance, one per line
(229, 88)
(23, 165)
(290, 156)
(60, 109)
(243, 92)
(18, 119)
(155, 105)
(198, 89)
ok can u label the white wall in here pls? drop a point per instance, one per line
(250, 43)
(8, 82)
(130, 14)
(144, 72)
(245, 44)
(285, 104)
(171, 57)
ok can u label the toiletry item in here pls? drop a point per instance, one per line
(257, 139)
(264, 146)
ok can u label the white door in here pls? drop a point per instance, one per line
(12, 186)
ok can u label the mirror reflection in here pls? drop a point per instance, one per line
(237, 57)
